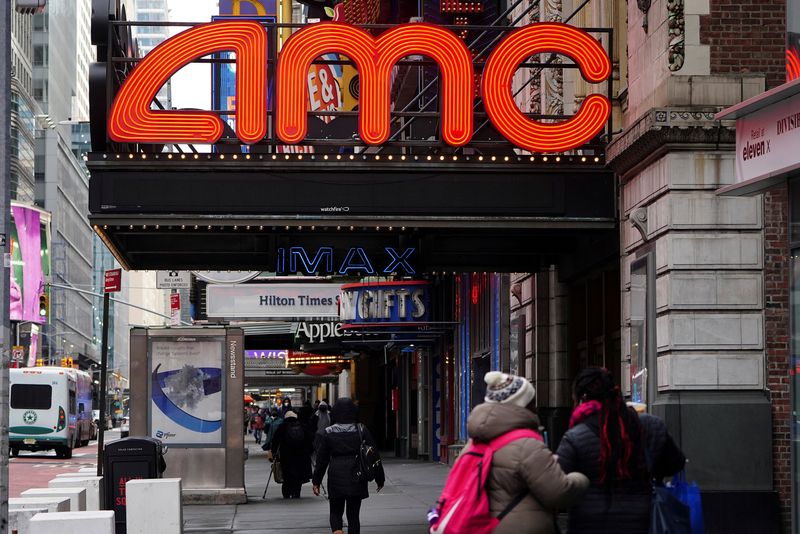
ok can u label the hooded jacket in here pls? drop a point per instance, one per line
(524, 466)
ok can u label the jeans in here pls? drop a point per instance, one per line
(257, 434)
(353, 510)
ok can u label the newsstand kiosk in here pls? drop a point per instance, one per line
(187, 391)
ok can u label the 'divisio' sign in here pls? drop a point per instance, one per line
(253, 301)
(384, 303)
(767, 141)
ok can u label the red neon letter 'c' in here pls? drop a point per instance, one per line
(374, 59)
(131, 119)
(498, 76)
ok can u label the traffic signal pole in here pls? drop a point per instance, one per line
(103, 385)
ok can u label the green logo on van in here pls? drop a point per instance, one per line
(29, 417)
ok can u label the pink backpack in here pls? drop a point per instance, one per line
(464, 504)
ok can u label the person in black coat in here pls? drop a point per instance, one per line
(292, 446)
(621, 452)
(337, 453)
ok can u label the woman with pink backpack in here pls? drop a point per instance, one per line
(506, 481)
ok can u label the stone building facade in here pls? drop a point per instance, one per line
(718, 279)
(703, 280)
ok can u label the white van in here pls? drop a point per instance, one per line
(51, 408)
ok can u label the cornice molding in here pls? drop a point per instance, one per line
(664, 129)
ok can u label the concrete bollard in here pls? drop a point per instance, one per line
(97, 522)
(53, 504)
(19, 518)
(77, 496)
(154, 505)
(93, 485)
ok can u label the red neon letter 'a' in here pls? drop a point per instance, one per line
(374, 59)
(131, 119)
(499, 74)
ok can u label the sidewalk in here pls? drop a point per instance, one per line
(411, 489)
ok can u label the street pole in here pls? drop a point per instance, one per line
(103, 385)
(5, 221)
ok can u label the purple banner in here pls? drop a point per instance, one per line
(266, 354)
(27, 275)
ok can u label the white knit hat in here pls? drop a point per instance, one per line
(511, 389)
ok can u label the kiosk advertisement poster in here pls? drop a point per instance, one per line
(186, 392)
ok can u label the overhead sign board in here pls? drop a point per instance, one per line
(113, 281)
(767, 141)
(273, 301)
(173, 279)
(226, 277)
(384, 303)
(767, 138)
(131, 119)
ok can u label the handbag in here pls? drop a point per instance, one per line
(668, 515)
(367, 460)
(277, 472)
(689, 494)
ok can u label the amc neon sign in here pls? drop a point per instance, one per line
(132, 121)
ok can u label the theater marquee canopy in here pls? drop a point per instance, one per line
(434, 155)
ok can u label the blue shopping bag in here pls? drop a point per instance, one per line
(668, 515)
(689, 494)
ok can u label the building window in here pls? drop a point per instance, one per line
(39, 55)
(643, 339)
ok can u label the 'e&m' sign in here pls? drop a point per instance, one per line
(133, 121)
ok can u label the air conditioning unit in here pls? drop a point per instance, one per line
(30, 7)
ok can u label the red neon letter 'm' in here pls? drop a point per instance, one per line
(499, 74)
(133, 121)
(374, 59)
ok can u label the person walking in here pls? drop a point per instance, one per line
(337, 453)
(292, 447)
(621, 452)
(258, 427)
(271, 428)
(525, 483)
(286, 406)
(322, 419)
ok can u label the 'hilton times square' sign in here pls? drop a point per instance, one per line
(131, 119)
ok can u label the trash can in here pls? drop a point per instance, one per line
(124, 460)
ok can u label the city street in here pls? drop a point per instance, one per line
(36, 469)
(411, 489)
(230, 219)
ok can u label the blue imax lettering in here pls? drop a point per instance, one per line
(356, 261)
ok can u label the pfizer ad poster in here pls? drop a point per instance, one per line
(186, 397)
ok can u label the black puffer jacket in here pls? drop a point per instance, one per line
(295, 458)
(338, 447)
(626, 508)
